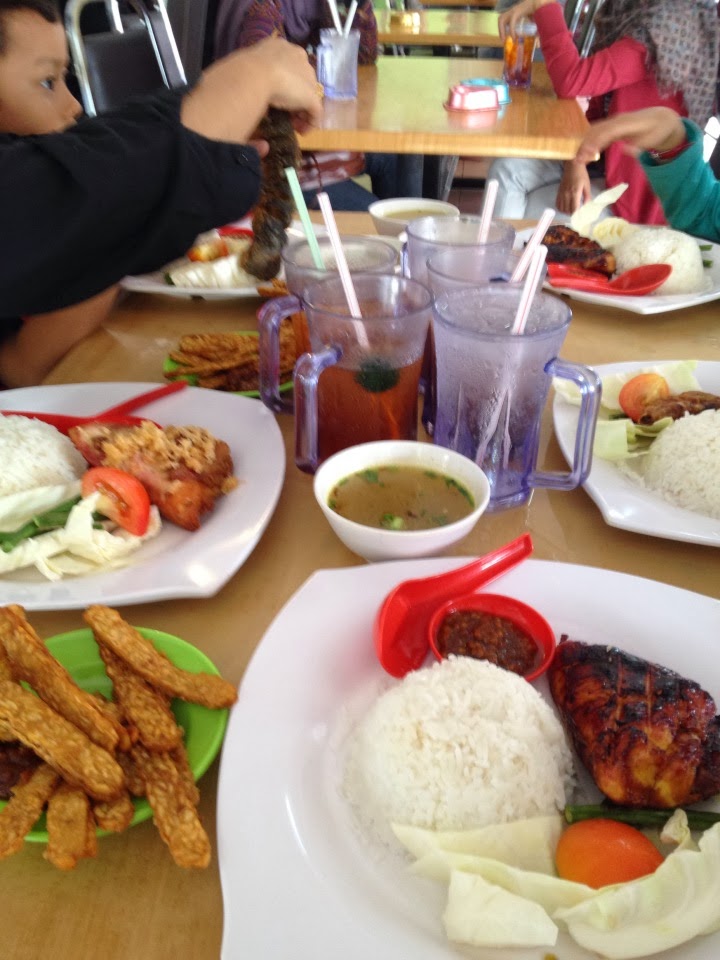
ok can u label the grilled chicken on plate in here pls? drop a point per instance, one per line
(649, 737)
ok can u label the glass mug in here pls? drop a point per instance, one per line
(337, 63)
(492, 386)
(518, 53)
(361, 380)
(430, 235)
(453, 269)
(366, 254)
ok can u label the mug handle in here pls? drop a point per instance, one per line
(270, 316)
(590, 388)
(305, 380)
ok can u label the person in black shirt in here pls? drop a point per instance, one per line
(123, 193)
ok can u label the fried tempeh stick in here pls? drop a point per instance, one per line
(174, 813)
(68, 819)
(114, 815)
(180, 758)
(59, 743)
(31, 661)
(135, 783)
(24, 807)
(144, 706)
(127, 643)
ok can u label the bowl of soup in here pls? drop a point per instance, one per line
(392, 216)
(398, 499)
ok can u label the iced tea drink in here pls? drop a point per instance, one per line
(518, 54)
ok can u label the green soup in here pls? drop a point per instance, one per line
(401, 498)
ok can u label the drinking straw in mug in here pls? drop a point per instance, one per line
(335, 15)
(530, 247)
(307, 224)
(491, 190)
(350, 17)
(532, 282)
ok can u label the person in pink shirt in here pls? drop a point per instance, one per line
(646, 53)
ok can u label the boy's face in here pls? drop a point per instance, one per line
(34, 98)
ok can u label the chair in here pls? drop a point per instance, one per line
(138, 55)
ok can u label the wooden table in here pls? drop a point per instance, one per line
(465, 4)
(399, 109)
(132, 902)
(441, 28)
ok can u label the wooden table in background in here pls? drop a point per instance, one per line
(441, 28)
(132, 902)
(399, 109)
(466, 4)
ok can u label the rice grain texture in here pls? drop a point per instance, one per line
(683, 463)
(461, 744)
(662, 245)
(35, 454)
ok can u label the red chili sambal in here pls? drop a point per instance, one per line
(486, 636)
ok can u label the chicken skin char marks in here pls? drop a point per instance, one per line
(565, 245)
(690, 402)
(274, 211)
(649, 737)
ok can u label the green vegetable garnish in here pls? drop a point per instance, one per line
(53, 519)
(370, 476)
(449, 482)
(697, 819)
(376, 375)
(390, 521)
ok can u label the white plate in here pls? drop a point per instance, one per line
(298, 880)
(176, 563)
(623, 502)
(653, 303)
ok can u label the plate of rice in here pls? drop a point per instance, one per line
(672, 491)
(308, 868)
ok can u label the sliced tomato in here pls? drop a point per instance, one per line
(638, 392)
(208, 250)
(123, 499)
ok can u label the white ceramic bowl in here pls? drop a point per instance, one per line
(374, 543)
(392, 216)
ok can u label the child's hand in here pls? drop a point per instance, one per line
(508, 21)
(657, 128)
(574, 188)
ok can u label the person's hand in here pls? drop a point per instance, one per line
(574, 189)
(293, 84)
(656, 128)
(508, 21)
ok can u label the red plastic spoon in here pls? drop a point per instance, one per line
(633, 283)
(116, 415)
(400, 629)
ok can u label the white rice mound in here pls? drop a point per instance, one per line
(683, 463)
(462, 744)
(35, 454)
(662, 245)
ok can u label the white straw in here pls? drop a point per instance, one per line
(532, 282)
(491, 189)
(340, 259)
(350, 17)
(538, 233)
(335, 15)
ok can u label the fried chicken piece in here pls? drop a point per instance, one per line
(31, 661)
(114, 815)
(565, 245)
(126, 642)
(59, 742)
(184, 469)
(147, 710)
(174, 812)
(71, 829)
(689, 402)
(24, 807)
(649, 737)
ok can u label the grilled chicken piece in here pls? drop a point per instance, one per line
(692, 402)
(183, 469)
(565, 245)
(649, 737)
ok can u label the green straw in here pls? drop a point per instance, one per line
(291, 174)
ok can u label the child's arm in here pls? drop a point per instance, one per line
(29, 355)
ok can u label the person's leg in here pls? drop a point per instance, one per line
(438, 175)
(395, 174)
(518, 177)
(346, 195)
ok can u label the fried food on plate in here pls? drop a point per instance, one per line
(146, 708)
(31, 661)
(6, 672)
(180, 758)
(59, 743)
(127, 643)
(114, 815)
(135, 783)
(183, 469)
(24, 807)
(174, 812)
(70, 826)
